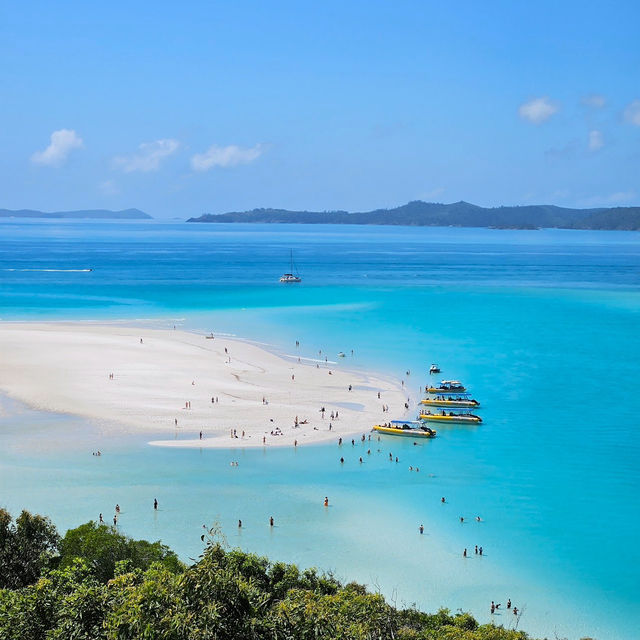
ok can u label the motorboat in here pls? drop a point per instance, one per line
(451, 401)
(451, 417)
(413, 429)
(434, 368)
(448, 386)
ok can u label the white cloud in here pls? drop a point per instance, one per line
(632, 113)
(594, 100)
(63, 142)
(229, 156)
(596, 141)
(621, 196)
(148, 157)
(109, 188)
(537, 110)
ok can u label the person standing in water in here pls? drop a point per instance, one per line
(239, 524)
(155, 504)
(326, 501)
(271, 521)
(421, 529)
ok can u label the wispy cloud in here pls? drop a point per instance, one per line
(596, 140)
(229, 156)
(594, 100)
(632, 113)
(621, 196)
(148, 157)
(109, 188)
(63, 142)
(434, 193)
(537, 110)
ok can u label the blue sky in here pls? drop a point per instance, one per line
(184, 108)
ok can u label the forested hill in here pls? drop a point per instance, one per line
(457, 214)
(126, 214)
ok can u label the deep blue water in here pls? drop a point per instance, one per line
(542, 325)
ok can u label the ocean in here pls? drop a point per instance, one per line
(541, 325)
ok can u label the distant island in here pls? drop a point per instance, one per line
(125, 214)
(457, 214)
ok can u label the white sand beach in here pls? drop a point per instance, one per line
(165, 381)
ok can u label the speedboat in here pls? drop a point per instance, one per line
(448, 386)
(341, 355)
(458, 418)
(434, 368)
(450, 401)
(413, 429)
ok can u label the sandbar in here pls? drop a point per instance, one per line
(179, 383)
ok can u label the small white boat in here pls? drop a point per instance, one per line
(291, 276)
(341, 355)
(434, 368)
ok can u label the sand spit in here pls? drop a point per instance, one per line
(182, 383)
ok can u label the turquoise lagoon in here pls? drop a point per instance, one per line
(542, 325)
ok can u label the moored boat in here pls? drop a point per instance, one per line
(413, 429)
(434, 368)
(451, 401)
(291, 277)
(451, 417)
(448, 386)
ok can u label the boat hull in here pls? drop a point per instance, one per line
(412, 433)
(451, 419)
(432, 402)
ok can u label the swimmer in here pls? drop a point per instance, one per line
(442, 500)
(326, 501)
(341, 460)
(360, 460)
(461, 519)
(421, 529)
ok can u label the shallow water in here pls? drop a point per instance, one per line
(541, 325)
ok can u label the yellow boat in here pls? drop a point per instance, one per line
(443, 401)
(460, 418)
(402, 428)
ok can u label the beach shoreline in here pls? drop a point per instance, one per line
(205, 392)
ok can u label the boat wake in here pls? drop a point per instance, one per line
(53, 270)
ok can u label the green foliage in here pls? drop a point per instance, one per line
(103, 547)
(109, 587)
(26, 547)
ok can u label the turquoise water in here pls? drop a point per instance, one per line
(543, 326)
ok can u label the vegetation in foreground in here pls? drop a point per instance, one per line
(95, 583)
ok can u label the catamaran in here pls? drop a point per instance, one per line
(291, 277)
